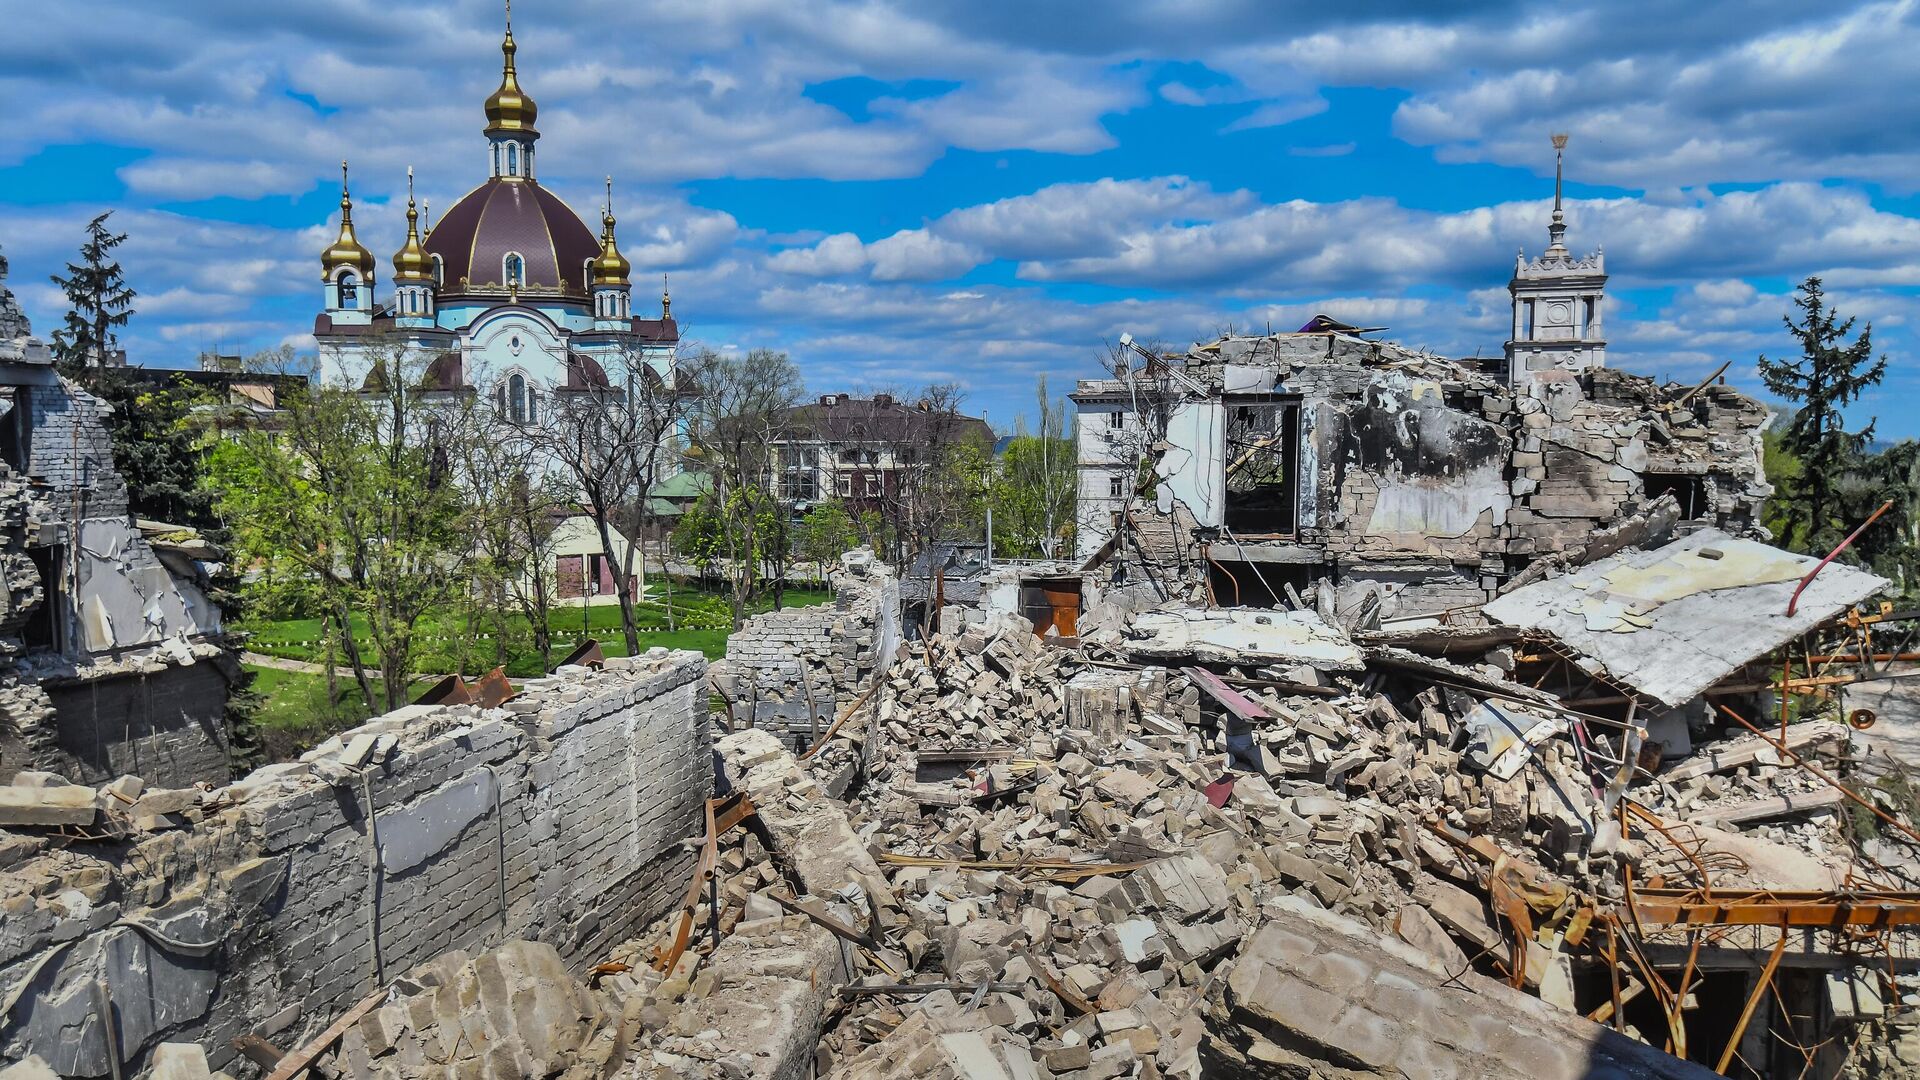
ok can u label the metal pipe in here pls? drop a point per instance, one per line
(1835, 784)
(500, 830)
(1793, 601)
(373, 880)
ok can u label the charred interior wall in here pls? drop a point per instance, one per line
(559, 819)
(167, 726)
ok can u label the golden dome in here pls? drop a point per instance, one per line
(346, 250)
(610, 267)
(412, 263)
(510, 109)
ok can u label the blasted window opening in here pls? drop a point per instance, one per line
(1262, 466)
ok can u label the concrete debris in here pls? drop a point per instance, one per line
(1148, 852)
(514, 1011)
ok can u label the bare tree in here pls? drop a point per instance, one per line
(742, 402)
(512, 506)
(609, 431)
(941, 464)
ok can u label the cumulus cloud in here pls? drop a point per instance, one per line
(1740, 121)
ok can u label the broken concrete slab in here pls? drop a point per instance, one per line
(1241, 635)
(1312, 992)
(1673, 621)
(68, 804)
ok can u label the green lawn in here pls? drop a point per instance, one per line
(701, 622)
(297, 714)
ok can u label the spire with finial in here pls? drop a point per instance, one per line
(510, 109)
(346, 249)
(611, 267)
(411, 263)
(1557, 232)
(666, 301)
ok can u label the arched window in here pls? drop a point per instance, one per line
(586, 274)
(513, 159)
(439, 272)
(349, 291)
(515, 269)
(517, 398)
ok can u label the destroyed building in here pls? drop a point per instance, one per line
(112, 654)
(1254, 464)
(1198, 842)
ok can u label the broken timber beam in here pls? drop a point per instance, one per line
(297, 1062)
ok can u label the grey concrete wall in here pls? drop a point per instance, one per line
(167, 727)
(557, 819)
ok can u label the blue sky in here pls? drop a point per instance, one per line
(904, 193)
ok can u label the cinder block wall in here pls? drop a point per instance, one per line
(558, 819)
(792, 671)
(167, 727)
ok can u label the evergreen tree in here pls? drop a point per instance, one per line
(99, 300)
(1829, 375)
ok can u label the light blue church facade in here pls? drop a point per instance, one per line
(509, 294)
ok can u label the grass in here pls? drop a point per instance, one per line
(702, 621)
(296, 712)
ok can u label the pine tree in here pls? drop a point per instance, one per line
(99, 300)
(1829, 375)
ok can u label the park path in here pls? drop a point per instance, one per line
(307, 667)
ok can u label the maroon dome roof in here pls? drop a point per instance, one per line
(501, 216)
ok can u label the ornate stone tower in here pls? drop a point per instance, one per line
(1557, 302)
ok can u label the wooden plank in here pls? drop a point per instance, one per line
(258, 1050)
(1235, 702)
(299, 1060)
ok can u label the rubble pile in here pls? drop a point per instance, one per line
(1078, 847)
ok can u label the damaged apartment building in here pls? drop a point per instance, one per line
(112, 655)
(1257, 464)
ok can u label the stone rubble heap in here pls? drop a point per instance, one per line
(1052, 867)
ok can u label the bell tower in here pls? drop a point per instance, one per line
(1557, 301)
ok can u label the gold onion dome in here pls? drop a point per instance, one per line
(412, 263)
(611, 267)
(510, 109)
(346, 249)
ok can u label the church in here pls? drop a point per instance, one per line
(510, 294)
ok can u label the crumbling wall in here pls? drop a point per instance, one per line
(557, 819)
(793, 671)
(166, 725)
(1428, 477)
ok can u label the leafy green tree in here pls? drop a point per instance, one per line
(160, 437)
(1034, 489)
(1829, 374)
(98, 297)
(826, 532)
(354, 493)
(1891, 548)
(697, 536)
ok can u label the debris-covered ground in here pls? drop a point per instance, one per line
(1107, 862)
(1221, 843)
